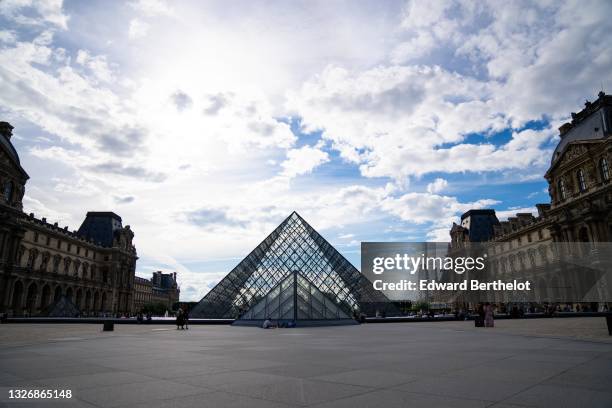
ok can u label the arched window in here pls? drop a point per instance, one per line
(562, 190)
(56, 263)
(543, 254)
(8, 191)
(580, 179)
(532, 257)
(603, 169)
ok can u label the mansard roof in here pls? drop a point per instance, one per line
(100, 226)
(592, 123)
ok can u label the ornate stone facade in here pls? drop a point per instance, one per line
(580, 209)
(41, 262)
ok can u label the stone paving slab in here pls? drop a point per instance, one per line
(441, 364)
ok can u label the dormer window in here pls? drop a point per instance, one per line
(562, 190)
(604, 169)
(580, 179)
(8, 192)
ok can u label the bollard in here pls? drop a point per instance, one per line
(108, 326)
(609, 322)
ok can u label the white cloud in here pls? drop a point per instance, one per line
(416, 47)
(420, 208)
(437, 185)
(303, 161)
(138, 29)
(7, 36)
(153, 7)
(511, 212)
(98, 65)
(35, 12)
(408, 121)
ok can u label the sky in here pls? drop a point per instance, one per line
(205, 124)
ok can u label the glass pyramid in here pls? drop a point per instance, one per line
(62, 308)
(295, 299)
(293, 246)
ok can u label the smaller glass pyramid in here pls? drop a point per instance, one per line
(62, 308)
(298, 301)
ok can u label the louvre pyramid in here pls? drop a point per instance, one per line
(298, 301)
(62, 308)
(293, 246)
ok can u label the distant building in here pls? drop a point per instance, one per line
(476, 226)
(40, 262)
(143, 293)
(162, 288)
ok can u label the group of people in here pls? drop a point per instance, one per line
(182, 319)
(269, 324)
(485, 315)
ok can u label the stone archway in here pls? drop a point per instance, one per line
(45, 298)
(31, 298)
(57, 294)
(87, 305)
(104, 303)
(79, 299)
(96, 301)
(583, 239)
(583, 235)
(17, 297)
(69, 294)
(542, 291)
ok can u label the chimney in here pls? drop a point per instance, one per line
(6, 130)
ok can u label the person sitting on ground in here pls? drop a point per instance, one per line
(267, 324)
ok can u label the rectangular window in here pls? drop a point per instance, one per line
(48, 240)
(59, 244)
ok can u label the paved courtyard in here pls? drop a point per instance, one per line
(541, 363)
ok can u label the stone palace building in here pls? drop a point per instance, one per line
(41, 263)
(162, 289)
(580, 210)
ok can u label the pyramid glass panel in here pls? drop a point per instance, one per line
(294, 246)
(298, 301)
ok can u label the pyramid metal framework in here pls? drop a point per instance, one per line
(298, 301)
(293, 246)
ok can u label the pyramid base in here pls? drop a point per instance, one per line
(298, 323)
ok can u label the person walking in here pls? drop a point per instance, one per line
(489, 315)
(179, 318)
(480, 316)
